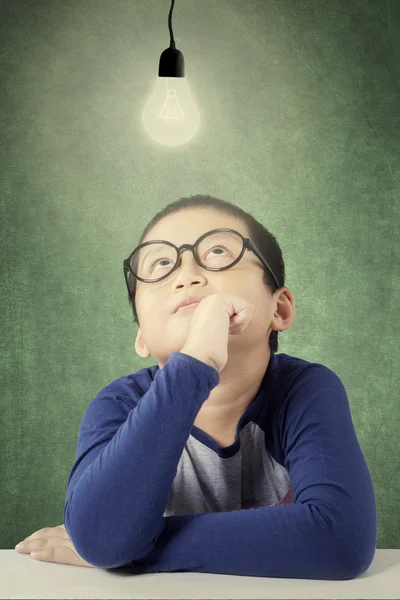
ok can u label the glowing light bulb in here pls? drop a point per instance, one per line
(170, 116)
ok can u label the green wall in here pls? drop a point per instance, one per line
(299, 102)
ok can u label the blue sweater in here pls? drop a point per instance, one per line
(291, 497)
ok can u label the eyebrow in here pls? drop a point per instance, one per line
(149, 251)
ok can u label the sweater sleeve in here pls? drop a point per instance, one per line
(330, 530)
(125, 466)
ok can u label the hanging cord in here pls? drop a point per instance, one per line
(171, 33)
(172, 62)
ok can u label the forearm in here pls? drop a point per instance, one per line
(121, 496)
(290, 541)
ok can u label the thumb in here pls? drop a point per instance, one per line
(235, 324)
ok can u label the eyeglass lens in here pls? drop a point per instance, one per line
(156, 260)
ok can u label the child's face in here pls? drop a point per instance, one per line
(161, 331)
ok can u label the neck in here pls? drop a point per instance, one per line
(239, 383)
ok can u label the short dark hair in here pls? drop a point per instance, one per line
(262, 238)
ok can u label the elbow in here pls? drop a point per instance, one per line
(356, 563)
(351, 569)
(103, 554)
(105, 559)
(106, 556)
(355, 551)
(100, 555)
(343, 559)
(89, 544)
(359, 548)
(352, 542)
(341, 562)
(103, 551)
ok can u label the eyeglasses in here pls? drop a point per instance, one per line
(144, 263)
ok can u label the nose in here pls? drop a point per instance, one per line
(186, 254)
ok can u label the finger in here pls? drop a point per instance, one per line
(236, 319)
(62, 555)
(22, 549)
(30, 545)
(237, 323)
(34, 542)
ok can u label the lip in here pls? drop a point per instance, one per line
(187, 306)
(187, 301)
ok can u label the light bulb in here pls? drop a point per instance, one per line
(170, 116)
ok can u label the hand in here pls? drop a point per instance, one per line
(213, 320)
(53, 544)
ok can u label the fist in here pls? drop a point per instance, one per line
(217, 316)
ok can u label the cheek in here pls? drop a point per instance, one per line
(152, 314)
(262, 312)
(144, 303)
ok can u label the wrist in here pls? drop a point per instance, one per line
(198, 355)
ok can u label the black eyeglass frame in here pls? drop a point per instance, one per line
(247, 245)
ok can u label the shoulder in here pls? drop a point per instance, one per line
(296, 375)
(309, 391)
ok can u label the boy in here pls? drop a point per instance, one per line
(170, 458)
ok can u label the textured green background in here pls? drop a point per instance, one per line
(299, 103)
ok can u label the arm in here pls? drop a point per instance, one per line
(123, 474)
(330, 530)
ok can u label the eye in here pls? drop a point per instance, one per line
(219, 247)
(158, 261)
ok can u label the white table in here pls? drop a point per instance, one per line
(23, 577)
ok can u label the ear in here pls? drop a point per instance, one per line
(140, 346)
(285, 310)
